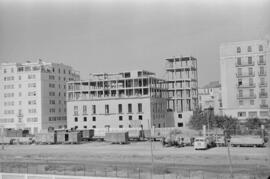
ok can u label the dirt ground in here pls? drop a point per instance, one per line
(254, 161)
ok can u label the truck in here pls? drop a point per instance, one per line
(247, 141)
(203, 143)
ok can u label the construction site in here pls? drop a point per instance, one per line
(135, 153)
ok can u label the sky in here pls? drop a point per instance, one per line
(120, 35)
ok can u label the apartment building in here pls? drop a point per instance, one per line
(245, 78)
(33, 95)
(118, 100)
(210, 98)
(182, 80)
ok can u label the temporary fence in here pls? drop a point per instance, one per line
(136, 172)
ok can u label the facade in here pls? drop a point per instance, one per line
(182, 80)
(210, 98)
(245, 78)
(33, 95)
(120, 100)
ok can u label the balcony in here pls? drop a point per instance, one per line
(263, 84)
(249, 85)
(262, 73)
(241, 75)
(247, 96)
(244, 64)
(264, 106)
(263, 95)
(261, 62)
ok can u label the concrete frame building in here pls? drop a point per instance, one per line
(210, 98)
(118, 100)
(182, 80)
(245, 69)
(33, 95)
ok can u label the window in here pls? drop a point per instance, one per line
(85, 119)
(239, 71)
(250, 71)
(241, 103)
(93, 118)
(84, 110)
(261, 70)
(130, 118)
(120, 110)
(251, 102)
(262, 81)
(94, 127)
(32, 110)
(120, 118)
(31, 85)
(251, 82)
(76, 119)
(240, 82)
(107, 110)
(251, 92)
(249, 49)
(180, 124)
(93, 109)
(120, 126)
(76, 111)
(238, 50)
(129, 108)
(140, 117)
(240, 93)
(260, 48)
(85, 127)
(32, 76)
(241, 114)
(261, 60)
(179, 115)
(139, 107)
(250, 60)
(51, 85)
(252, 114)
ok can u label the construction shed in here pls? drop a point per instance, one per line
(117, 137)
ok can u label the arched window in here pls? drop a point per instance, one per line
(260, 48)
(238, 50)
(249, 49)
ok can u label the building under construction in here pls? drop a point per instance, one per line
(182, 80)
(118, 100)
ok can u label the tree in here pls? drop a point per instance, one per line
(205, 118)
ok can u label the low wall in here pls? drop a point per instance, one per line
(35, 176)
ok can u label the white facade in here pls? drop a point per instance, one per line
(210, 98)
(182, 80)
(33, 95)
(245, 78)
(121, 100)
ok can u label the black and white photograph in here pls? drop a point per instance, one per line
(134, 89)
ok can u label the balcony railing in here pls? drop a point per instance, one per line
(262, 73)
(263, 95)
(248, 96)
(249, 85)
(264, 106)
(239, 75)
(261, 62)
(263, 84)
(244, 64)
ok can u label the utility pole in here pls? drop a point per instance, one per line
(2, 134)
(151, 148)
